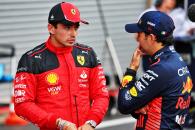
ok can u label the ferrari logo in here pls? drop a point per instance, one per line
(73, 11)
(81, 60)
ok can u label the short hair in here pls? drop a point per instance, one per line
(169, 40)
(67, 24)
(158, 3)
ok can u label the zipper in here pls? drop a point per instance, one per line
(77, 114)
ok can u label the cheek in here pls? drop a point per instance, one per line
(63, 34)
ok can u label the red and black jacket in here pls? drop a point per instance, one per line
(64, 82)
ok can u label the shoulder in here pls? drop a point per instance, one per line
(27, 60)
(38, 49)
(88, 53)
(83, 47)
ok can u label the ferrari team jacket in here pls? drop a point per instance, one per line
(67, 83)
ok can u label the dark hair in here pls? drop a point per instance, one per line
(169, 40)
(179, 3)
(66, 23)
(158, 3)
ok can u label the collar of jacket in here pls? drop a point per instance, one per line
(57, 50)
(164, 51)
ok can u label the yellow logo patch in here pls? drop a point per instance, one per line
(133, 91)
(187, 86)
(73, 11)
(52, 78)
(126, 80)
(81, 60)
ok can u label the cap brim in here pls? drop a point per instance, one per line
(84, 21)
(133, 28)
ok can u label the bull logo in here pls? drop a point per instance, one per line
(126, 80)
(187, 86)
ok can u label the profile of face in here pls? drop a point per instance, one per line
(143, 41)
(63, 35)
(146, 42)
(167, 6)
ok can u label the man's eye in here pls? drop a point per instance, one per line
(67, 27)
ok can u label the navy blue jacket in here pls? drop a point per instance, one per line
(165, 88)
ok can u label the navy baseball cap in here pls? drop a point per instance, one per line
(153, 22)
(65, 12)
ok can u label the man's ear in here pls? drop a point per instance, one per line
(51, 28)
(152, 37)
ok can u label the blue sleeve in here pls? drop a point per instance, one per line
(135, 94)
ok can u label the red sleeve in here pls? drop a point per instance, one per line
(98, 94)
(24, 101)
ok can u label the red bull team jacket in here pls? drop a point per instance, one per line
(165, 88)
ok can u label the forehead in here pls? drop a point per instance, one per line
(169, 2)
(69, 24)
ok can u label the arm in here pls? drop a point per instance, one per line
(135, 94)
(98, 91)
(25, 96)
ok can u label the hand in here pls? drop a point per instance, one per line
(142, 110)
(135, 61)
(85, 127)
(70, 126)
(65, 125)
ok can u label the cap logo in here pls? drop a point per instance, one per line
(140, 21)
(150, 23)
(73, 11)
(163, 32)
(52, 17)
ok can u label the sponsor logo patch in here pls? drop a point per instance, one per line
(128, 96)
(126, 79)
(81, 60)
(73, 11)
(54, 90)
(83, 75)
(187, 86)
(52, 78)
(133, 91)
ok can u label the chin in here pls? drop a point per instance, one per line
(68, 44)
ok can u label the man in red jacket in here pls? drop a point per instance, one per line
(60, 84)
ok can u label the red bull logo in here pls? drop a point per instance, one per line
(126, 80)
(187, 86)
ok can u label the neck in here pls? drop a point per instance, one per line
(157, 46)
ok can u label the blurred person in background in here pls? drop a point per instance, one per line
(183, 26)
(165, 6)
(60, 84)
(160, 99)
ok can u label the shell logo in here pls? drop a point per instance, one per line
(52, 78)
